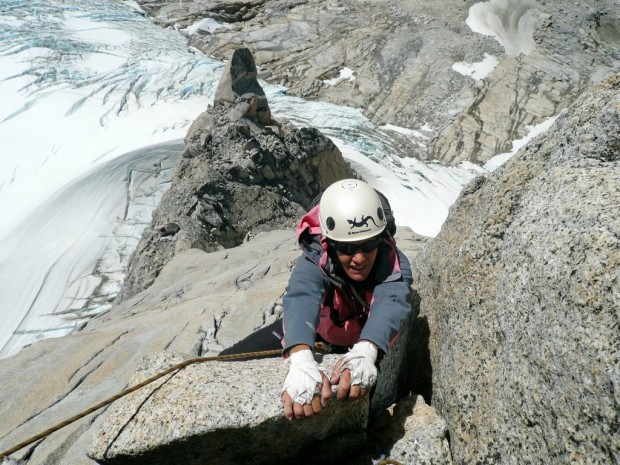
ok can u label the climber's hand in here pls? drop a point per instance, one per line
(356, 372)
(306, 389)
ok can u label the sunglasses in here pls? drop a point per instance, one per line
(346, 248)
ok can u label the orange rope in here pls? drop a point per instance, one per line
(131, 389)
(108, 401)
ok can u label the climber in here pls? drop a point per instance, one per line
(349, 289)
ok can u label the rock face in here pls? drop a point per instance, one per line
(198, 305)
(222, 412)
(516, 339)
(417, 433)
(522, 293)
(240, 173)
(201, 303)
(403, 56)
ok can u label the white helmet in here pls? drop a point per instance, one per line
(350, 210)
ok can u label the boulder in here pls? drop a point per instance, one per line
(224, 413)
(415, 433)
(239, 81)
(521, 290)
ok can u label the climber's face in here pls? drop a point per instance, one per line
(357, 258)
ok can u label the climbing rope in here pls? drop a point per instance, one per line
(108, 401)
(179, 366)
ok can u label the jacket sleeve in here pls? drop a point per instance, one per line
(390, 306)
(302, 301)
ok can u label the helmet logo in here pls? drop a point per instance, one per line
(363, 222)
(349, 184)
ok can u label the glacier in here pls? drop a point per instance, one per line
(96, 102)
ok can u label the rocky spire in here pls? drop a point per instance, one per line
(240, 173)
(239, 83)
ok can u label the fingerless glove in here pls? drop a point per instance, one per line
(304, 378)
(360, 360)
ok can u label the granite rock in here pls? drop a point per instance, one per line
(200, 304)
(397, 60)
(521, 290)
(240, 173)
(224, 413)
(415, 433)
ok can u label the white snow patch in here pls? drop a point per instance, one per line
(478, 70)
(500, 159)
(420, 194)
(134, 6)
(209, 25)
(346, 74)
(10, 21)
(99, 33)
(404, 131)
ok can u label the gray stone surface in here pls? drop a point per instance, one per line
(240, 173)
(239, 78)
(224, 413)
(402, 52)
(200, 304)
(415, 433)
(521, 290)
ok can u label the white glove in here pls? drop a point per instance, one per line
(360, 360)
(304, 377)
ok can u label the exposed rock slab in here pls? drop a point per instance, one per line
(240, 173)
(401, 54)
(521, 290)
(200, 304)
(224, 413)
